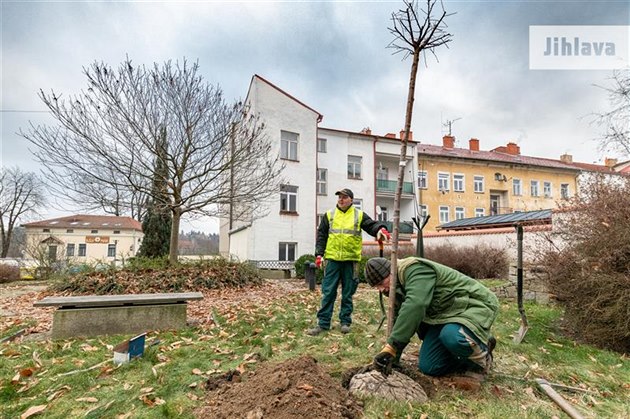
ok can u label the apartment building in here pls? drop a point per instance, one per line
(456, 183)
(84, 238)
(318, 162)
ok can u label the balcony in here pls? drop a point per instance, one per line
(404, 227)
(389, 186)
(494, 210)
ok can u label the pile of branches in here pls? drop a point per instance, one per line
(211, 274)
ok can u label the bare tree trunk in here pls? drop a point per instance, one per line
(172, 253)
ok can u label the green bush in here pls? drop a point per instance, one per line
(300, 267)
(141, 262)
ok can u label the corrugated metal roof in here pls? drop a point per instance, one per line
(502, 220)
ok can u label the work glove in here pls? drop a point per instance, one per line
(318, 262)
(384, 360)
(383, 235)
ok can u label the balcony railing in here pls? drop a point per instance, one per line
(404, 227)
(390, 186)
(500, 210)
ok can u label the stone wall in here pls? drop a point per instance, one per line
(534, 286)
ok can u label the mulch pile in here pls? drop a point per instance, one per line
(297, 388)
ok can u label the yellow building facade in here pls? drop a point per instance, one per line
(456, 183)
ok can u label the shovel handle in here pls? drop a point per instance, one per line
(380, 248)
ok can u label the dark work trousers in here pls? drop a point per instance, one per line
(337, 272)
(451, 348)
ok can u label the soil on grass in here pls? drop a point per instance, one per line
(297, 388)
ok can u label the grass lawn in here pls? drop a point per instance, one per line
(168, 380)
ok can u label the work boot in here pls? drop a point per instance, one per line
(315, 331)
(345, 328)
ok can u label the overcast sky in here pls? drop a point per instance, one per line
(331, 56)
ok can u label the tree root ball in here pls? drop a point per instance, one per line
(395, 386)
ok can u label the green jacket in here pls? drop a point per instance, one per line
(430, 293)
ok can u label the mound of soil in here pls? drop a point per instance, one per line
(297, 388)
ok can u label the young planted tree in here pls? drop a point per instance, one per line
(108, 136)
(21, 193)
(415, 32)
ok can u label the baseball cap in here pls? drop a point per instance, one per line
(346, 192)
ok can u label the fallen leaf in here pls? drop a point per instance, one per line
(27, 372)
(87, 399)
(33, 410)
(127, 386)
(306, 387)
(193, 385)
(16, 378)
(191, 396)
(154, 371)
(37, 360)
(197, 371)
(592, 358)
(159, 401)
(146, 390)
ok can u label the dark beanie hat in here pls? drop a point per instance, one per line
(376, 270)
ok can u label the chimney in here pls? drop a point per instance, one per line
(566, 158)
(366, 131)
(513, 149)
(402, 135)
(473, 144)
(610, 163)
(448, 141)
(390, 135)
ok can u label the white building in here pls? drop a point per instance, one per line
(318, 162)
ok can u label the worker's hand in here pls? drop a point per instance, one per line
(384, 360)
(318, 261)
(383, 235)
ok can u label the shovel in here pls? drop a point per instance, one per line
(518, 338)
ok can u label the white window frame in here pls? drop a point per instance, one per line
(534, 188)
(479, 184)
(383, 215)
(424, 210)
(82, 250)
(358, 204)
(547, 189)
(70, 249)
(423, 179)
(355, 166)
(564, 191)
(444, 212)
(284, 250)
(288, 198)
(289, 145)
(480, 212)
(460, 213)
(322, 181)
(459, 182)
(111, 247)
(443, 181)
(322, 145)
(517, 187)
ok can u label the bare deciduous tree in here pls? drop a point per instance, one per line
(617, 120)
(108, 136)
(21, 193)
(415, 32)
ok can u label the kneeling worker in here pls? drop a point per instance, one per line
(451, 313)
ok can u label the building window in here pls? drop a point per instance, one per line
(70, 249)
(94, 231)
(320, 218)
(547, 189)
(423, 179)
(81, 249)
(354, 167)
(286, 251)
(69, 230)
(443, 214)
(383, 214)
(517, 187)
(111, 250)
(46, 230)
(459, 213)
(288, 198)
(358, 204)
(288, 145)
(480, 212)
(116, 231)
(322, 145)
(424, 210)
(458, 182)
(443, 181)
(564, 190)
(478, 184)
(322, 177)
(534, 188)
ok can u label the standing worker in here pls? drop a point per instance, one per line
(451, 312)
(339, 242)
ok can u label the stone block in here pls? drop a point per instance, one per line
(87, 322)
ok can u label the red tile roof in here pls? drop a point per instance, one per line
(89, 221)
